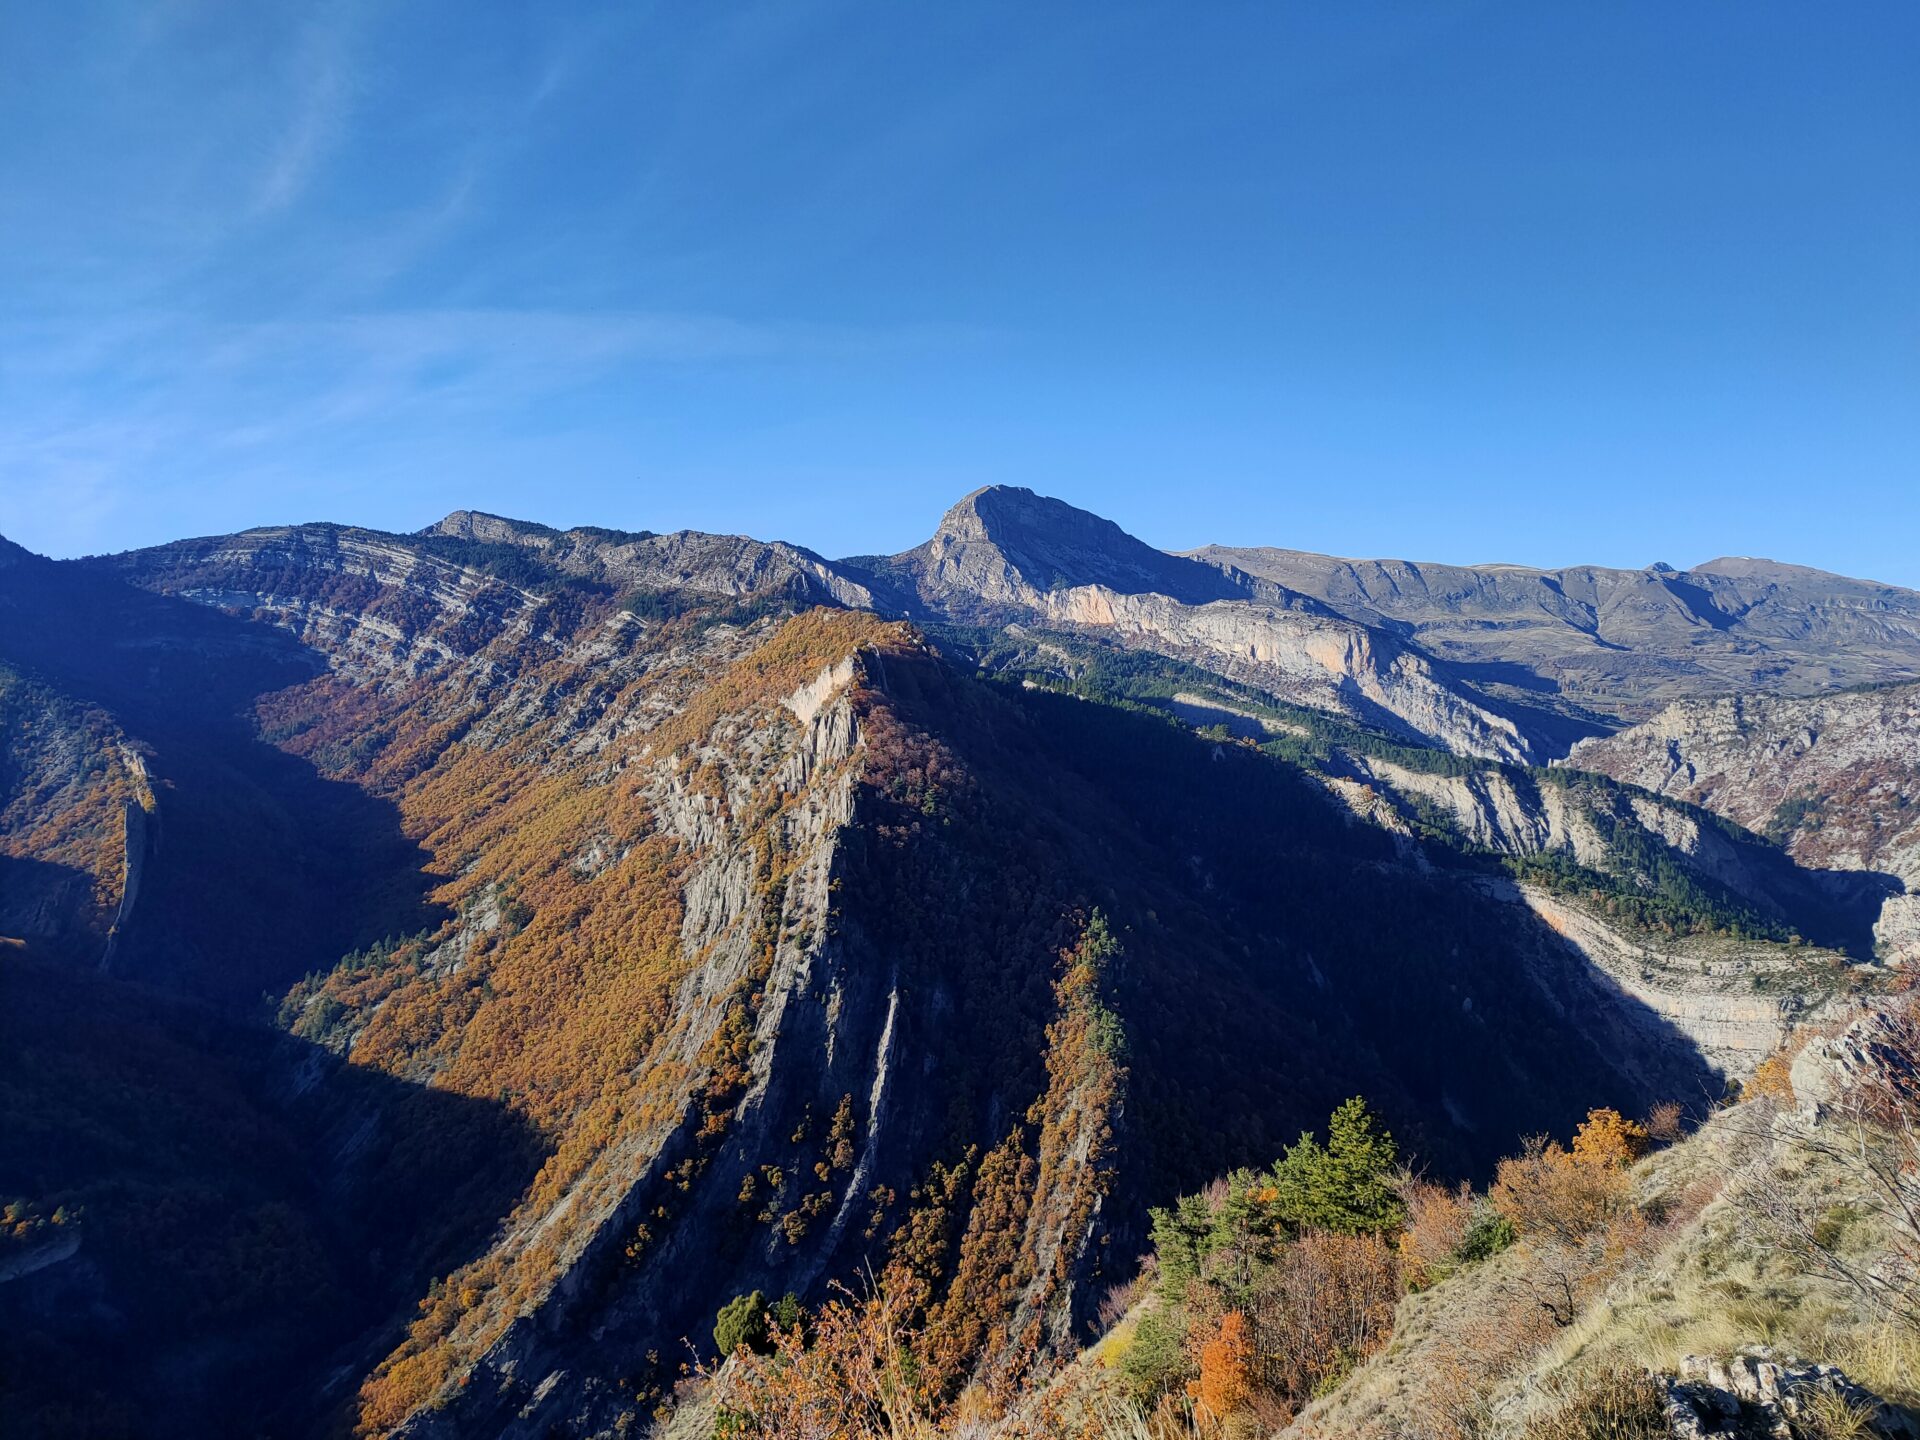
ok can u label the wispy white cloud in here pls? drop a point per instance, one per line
(96, 420)
(323, 89)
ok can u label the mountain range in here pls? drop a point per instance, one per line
(441, 970)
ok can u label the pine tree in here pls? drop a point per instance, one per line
(1347, 1186)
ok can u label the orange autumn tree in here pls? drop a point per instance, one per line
(1609, 1140)
(1225, 1383)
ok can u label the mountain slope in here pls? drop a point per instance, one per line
(1006, 555)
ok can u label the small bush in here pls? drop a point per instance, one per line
(1666, 1122)
(1566, 1196)
(1772, 1080)
(1225, 1382)
(1489, 1234)
(1438, 1221)
(1157, 1358)
(742, 1321)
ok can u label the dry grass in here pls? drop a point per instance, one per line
(1617, 1404)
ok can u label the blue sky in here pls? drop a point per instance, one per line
(1514, 281)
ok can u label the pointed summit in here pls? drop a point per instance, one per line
(1005, 546)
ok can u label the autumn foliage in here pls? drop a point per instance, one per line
(1273, 1285)
(1225, 1383)
(1567, 1195)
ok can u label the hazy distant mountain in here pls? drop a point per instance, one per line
(1621, 642)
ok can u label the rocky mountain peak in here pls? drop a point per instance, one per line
(478, 525)
(1016, 518)
(1008, 546)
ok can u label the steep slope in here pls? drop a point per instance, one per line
(1620, 642)
(75, 808)
(1707, 925)
(238, 1209)
(1833, 778)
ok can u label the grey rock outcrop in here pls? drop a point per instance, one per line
(1758, 1395)
(1877, 1046)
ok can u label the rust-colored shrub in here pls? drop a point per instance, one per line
(1328, 1305)
(1772, 1079)
(1437, 1223)
(1549, 1193)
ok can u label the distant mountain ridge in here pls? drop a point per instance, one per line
(1503, 661)
(1622, 642)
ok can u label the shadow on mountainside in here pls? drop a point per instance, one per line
(252, 1216)
(45, 907)
(259, 869)
(255, 1218)
(1270, 933)
(1853, 901)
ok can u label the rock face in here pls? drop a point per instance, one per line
(74, 805)
(1735, 1002)
(1757, 1395)
(1833, 777)
(1622, 642)
(1877, 1047)
(1004, 548)
(686, 560)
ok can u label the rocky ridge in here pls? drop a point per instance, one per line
(1006, 554)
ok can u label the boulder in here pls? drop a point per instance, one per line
(1756, 1393)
